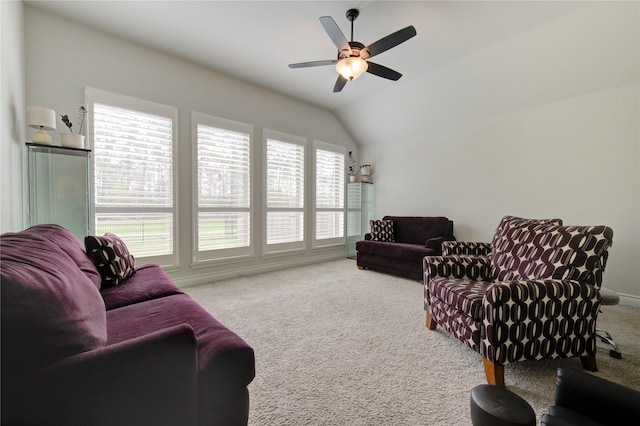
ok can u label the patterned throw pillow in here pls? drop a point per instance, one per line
(111, 257)
(382, 230)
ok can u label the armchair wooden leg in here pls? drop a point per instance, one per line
(494, 372)
(589, 363)
(431, 323)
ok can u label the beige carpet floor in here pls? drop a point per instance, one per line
(339, 346)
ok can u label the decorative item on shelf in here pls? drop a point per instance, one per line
(73, 140)
(41, 118)
(353, 169)
(365, 172)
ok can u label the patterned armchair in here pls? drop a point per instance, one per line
(534, 296)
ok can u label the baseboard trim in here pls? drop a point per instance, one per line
(209, 277)
(629, 300)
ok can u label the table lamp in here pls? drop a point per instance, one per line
(41, 118)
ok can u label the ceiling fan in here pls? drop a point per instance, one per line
(353, 56)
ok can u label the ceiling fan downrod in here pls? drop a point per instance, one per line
(352, 15)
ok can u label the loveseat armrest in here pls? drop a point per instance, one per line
(596, 398)
(538, 319)
(151, 379)
(436, 243)
(466, 248)
(462, 267)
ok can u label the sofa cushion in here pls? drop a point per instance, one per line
(50, 308)
(70, 244)
(149, 282)
(226, 362)
(382, 230)
(111, 256)
(419, 229)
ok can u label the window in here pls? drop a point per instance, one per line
(285, 181)
(329, 192)
(223, 193)
(133, 173)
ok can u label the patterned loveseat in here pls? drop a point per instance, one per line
(534, 296)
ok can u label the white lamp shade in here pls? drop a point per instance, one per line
(351, 68)
(41, 117)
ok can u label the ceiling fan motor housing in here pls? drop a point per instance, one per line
(357, 51)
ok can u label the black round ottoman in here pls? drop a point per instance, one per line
(497, 406)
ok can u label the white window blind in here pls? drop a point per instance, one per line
(285, 174)
(134, 175)
(329, 185)
(224, 188)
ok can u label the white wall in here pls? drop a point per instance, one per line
(62, 58)
(545, 124)
(12, 115)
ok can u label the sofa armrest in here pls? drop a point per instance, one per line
(553, 310)
(596, 398)
(461, 267)
(151, 379)
(466, 248)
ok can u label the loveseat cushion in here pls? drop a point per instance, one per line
(404, 251)
(50, 308)
(226, 363)
(419, 229)
(149, 282)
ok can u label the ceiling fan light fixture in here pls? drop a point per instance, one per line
(352, 67)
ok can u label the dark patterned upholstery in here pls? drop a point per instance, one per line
(465, 248)
(382, 230)
(535, 296)
(111, 257)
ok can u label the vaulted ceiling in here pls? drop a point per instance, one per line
(254, 41)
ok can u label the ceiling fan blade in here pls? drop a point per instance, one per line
(382, 71)
(335, 34)
(340, 82)
(392, 40)
(313, 63)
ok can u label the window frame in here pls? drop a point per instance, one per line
(224, 255)
(289, 246)
(336, 241)
(93, 96)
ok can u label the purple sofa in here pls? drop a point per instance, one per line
(413, 238)
(142, 352)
